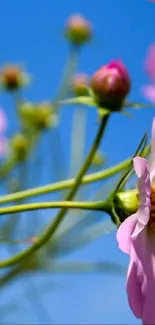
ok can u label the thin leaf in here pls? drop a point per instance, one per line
(138, 105)
(81, 100)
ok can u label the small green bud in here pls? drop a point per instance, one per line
(126, 203)
(98, 159)
(44, 116)
(27, 114)
(19, 145)
(38, 116)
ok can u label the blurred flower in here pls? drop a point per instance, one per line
(111, 84)
(39, 116)
(3, 127)
(12, 77)
(149, 90)
(80, 84)
(78, 30)
(136, 237)
(45, 116)
(19, 145)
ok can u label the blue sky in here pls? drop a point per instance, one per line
(31, 33)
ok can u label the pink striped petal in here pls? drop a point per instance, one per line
(150, 62)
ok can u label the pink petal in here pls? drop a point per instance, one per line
(149, 92)
(3, 120)
(124, 233)
(134, 286)
(143, 216)
(144, 188)
(150, 62)
(141, 277)
(152, 156)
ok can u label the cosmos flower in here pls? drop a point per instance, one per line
(149, 90)
(136, 237)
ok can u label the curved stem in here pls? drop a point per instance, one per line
(47, 234)
(63, 185)
(53, 205)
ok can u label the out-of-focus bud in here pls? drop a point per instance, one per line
(80, 84)
(38, 116)
(126, 203)
(45, 117)
(78, 30)
(98, 159)
(111, 84)
(12, 77)
(19, 146)
(27, 113)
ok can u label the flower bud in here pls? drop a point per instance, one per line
(78, 30)
(19, 145)
(12, 77)
(44, 116)
(38, 116)
(111, 84)
(98, 159)
(27, 114)
(126, 203)
(80, 85)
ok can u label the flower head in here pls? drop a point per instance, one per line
(149, 90)
(78, 30)
(111, 84)
(136, 237)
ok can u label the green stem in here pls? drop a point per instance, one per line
(47, 234)
(63, 185)
(53, 205)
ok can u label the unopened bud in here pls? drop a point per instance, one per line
(19, 145)
(111, 84)
(78, 30)
(126, 203)
(38, 115)
(43, 115)
(98, 158)
(12, 77)
(27, 113)
(80, 85)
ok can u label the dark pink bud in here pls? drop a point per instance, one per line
(111, 84)
(78, 30)
(80, 85)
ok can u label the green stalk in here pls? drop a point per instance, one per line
(100, 206)
(49, 232)
(63, 185)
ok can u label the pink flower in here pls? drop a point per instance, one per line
(3, 127)
(136, 237)
(149, 90)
